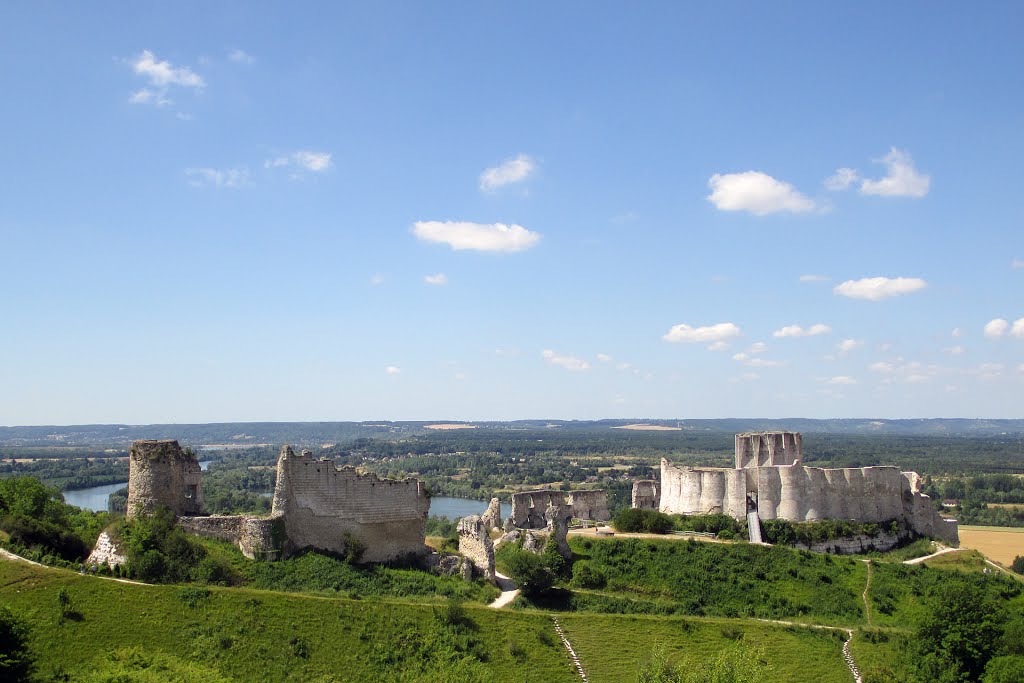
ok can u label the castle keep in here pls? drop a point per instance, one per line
(769, 480)
(316, 505)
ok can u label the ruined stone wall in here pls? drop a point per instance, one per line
(646, 495)
(492, 516)
(529, 507)
(761, 449)
(160, 474)
(702, 491)
(476, 545)
(323, 506)
(805, 494)
(259, 538)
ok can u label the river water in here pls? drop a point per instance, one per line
(95, 498)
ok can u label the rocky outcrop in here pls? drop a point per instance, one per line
(105, 552)
(476, 546)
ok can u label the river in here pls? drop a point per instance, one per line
(95, 498)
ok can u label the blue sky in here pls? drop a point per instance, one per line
(235, 211)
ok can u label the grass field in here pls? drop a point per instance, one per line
(248, 635)
(1000, 544)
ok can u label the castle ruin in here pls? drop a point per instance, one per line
(316, 505)
(771, 482)
(530, 507)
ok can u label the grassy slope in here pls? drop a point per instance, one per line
(257, 635)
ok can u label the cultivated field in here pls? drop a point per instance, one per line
(999, 544)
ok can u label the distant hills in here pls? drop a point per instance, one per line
(241, 434)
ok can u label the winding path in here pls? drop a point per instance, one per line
(509, 591)
(941, 551)
(18, 558)
(864, 595)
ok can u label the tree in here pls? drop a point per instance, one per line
(959, 633)
(15, 662)
(530, 572)
(1018, 564)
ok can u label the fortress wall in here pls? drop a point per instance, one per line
(529, 507)
(791, 493)
(160, 474)
(766, 449)
(769, 492)
(323, 506)
(712, 491)
(646, 495)
(691, 491)
(736, 493)
(817, 493)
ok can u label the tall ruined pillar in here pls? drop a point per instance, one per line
(160, 474)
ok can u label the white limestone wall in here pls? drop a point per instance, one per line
(692, 491)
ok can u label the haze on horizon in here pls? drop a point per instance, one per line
(240, 212)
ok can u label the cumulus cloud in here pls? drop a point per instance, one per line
(570, 363)
(814, 278)
(757, 347)
(718, 346)
(842, 179)
(996, 328)
(708, 334)
(460, 235)
(161, 76)
(957, 332)
(878, 288)
(757, 193)
(841, 379)
(508, 172)
(216, 177)
(438, 279)
(303, 159)
(393, 370)
(901, 179)
(848, 345)
(240, 57)
(604, 358)
(1017, 263)
(797, 331)
(899, 370)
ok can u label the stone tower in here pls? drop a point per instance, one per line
(768, 449)
(160, 474)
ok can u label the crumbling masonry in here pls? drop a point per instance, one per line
(529, 508)
(770, 480)
(316, 505)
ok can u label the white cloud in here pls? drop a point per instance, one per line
(883, 367)
(841, 379)
(901, 180)
(757, 347)
(755, 362)
(438, 279)
(710, 333)
(848, 345)
(604, 358)
(912, 372)
(842, 179)
(718, 346)
(305, 159)
(996, 328)
(797, 331)
(814, 278)
(570, 363)
(461, 235)
(955, 350)
(215, 177)
(1020, 368)
(460, 376)
(1017, 263)
(989, 370)
(508, 172)
(957, 332)
(393, 370)
(240, 57)
(1018, 328)
(161, 75)
(757, 193)
(377, 279)
(878, 288)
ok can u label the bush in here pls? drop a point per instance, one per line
(634, 520)
(1018, 564)
(529, 571)
(585, 576)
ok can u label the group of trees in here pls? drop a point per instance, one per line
(38, 522)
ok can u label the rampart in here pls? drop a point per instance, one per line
(529, 508)
(476, 545)
(327, 508)
(792, 491)
(646, 495)
(160, 474)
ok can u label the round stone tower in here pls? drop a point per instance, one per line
(160, 474)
